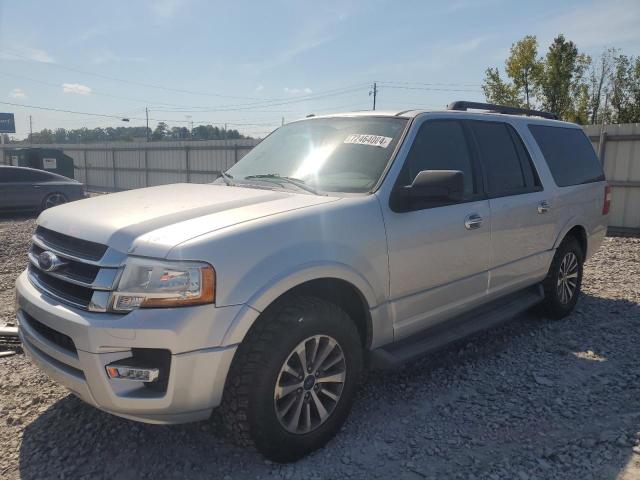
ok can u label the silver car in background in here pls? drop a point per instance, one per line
(339, 242)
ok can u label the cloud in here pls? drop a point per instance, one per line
(596, 25)
(467, 46)
(76, 88)
(21, 52)
(17, 93)
(166, 9)
(259, 88)
(108, 56)
(297, 91)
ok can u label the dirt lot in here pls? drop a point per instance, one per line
(533, 399)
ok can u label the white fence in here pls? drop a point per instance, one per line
(618, 147)
(124, 166)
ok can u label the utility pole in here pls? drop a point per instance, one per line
(146, 110)
(374, 92)
(282, 124)
(30, 129)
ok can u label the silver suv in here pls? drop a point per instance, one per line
(339, 242)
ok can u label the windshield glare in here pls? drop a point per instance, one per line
(329, 154)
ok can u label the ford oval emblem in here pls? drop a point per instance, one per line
(49, 261)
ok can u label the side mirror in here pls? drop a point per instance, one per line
(437, 185)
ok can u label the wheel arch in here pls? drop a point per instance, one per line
(349, 291)
(577, 231)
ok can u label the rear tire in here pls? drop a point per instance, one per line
(269, 403)
(563, 282)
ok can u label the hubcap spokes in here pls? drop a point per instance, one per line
(53, 200)
(310, 384)
(567, 278)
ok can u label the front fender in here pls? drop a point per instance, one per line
(284, 282)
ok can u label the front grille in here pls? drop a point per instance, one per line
(55, 337)
(75, 270)
(73, 294)
(73, 246)
(85, 275)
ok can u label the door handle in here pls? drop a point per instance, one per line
(36, 186)
(473, 221)
(543, 206)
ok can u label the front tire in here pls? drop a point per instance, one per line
(563, 282)
(292, 382)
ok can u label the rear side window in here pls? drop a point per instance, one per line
(20, 175)
(507, 165)
(569, 154)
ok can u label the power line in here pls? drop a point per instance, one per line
(131, 82)
(435, 84)
(259, 101)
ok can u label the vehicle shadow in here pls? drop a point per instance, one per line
(475, 407)
(18, 215)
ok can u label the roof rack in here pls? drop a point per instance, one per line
(463, 106)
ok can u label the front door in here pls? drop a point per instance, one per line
(438, 253)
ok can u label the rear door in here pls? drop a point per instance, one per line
(522, 215)
(438, 253)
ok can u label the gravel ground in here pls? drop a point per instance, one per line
(529, 400)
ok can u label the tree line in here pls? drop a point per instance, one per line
(128, 134)
(568, 83)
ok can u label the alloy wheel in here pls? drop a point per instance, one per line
(567, 278)
(54, 199)
(310, 384)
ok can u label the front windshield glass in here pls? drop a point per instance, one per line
(335, 154)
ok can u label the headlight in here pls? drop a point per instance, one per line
(147, 283)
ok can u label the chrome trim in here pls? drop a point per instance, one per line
(153, 373)
(111, 258)
(543, 206)
(473, 221)
(51, 294)
(99, 301)
(104, 280)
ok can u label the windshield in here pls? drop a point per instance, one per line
(328, 154)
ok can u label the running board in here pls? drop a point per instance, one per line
(493, 313)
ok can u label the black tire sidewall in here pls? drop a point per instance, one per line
(269, 436)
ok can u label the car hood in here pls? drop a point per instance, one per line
(151, 221)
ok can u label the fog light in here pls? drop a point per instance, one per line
(137, 374)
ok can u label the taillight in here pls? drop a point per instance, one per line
(606, 205)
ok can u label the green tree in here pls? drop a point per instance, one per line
(600, 85)
(561, 77)
(523, 67)
(625, 89)
(160, 132)
(498, 91)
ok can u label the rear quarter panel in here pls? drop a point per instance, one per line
(576, 205)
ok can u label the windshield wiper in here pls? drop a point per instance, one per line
(294, 181)
(227, 178)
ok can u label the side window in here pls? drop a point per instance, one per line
(9, 175)
(19, 175)
(530, 174)
(506, 172)
(569, 154)
(440, 145)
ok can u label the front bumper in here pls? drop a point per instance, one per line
(193, 335)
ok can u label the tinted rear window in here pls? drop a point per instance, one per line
(569, 154)
(499, 157)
